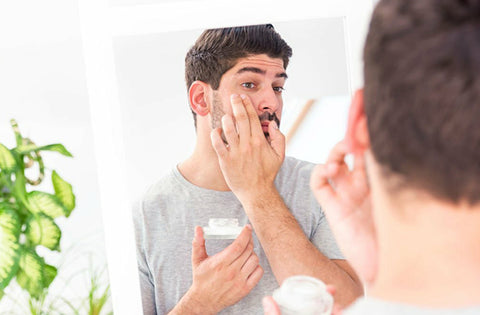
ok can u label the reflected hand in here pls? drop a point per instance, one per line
(249, 162)
(345, 199)
(226, 277)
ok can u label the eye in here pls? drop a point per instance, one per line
(248, 85)
(278, 89)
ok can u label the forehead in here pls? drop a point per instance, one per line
(271, 66)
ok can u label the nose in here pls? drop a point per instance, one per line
(269, 101)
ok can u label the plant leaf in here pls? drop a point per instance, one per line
(9, 247)
(7, 160)
(63, 191)
(30, 275)
(57, 147)
(49, 273)
(42, 230)
(42, 202)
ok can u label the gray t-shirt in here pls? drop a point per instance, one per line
(373, 306)
(164, 226)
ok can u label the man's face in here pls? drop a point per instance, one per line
(259, 77)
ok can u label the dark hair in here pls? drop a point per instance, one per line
(217, 50)
(422, 95)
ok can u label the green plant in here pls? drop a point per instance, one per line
(27, 217)
(81, 286)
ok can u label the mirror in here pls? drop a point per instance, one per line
(142, 124)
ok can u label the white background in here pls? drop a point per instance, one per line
(43, 86)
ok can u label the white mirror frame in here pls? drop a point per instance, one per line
(100, 23)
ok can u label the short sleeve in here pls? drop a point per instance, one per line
(322, 238)
(147, 287)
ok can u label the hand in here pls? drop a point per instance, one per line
(225, 278)
(249, 162)
(345, 199)
(270, 307)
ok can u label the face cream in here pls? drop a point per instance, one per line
(220, 228)
(303, 295)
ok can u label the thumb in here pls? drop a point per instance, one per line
(277, 139)
(199, 252)
(269, 306)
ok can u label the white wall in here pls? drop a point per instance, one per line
(42, 86)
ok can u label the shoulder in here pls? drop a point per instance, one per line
(295, 172)
(293, 184)
(157, 194)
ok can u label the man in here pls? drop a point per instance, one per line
(412, 231)
(235, 77)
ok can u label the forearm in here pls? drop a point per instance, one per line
(190, 305)
(289, 251)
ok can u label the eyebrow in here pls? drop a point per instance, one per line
(260, 71)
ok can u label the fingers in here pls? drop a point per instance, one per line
(250, 265)
(236, 249)
(338, 152)
(217, 143)
(337, 157)
(254, 277)
(277, 139)
(229, 130)
(241, 116)
(255, 127)
(320, 185)
(240, 261)
(269, 306)
(199, 252)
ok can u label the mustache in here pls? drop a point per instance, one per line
(267, 116)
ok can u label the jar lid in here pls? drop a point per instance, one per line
(303, 295)
(222, 228)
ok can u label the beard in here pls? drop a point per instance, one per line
(217, 114)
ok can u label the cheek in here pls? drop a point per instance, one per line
(279, 111)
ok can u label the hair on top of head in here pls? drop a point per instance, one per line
(422, 95)
(217, 50)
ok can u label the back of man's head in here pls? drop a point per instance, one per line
(422, 95)
(217, 50)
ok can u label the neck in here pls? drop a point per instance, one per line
(429, 254)
(202, 168)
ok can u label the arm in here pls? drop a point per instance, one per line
(250, 164)
(220, 280)
(290, 252)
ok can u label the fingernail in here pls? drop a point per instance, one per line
(243, 96)
(275, 126)
(233, 96)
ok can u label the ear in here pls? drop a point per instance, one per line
(197, 95)
(357, 137)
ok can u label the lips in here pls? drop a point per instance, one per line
(265, 126)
